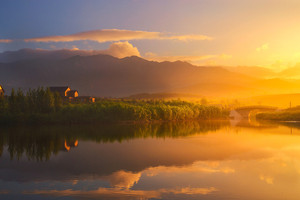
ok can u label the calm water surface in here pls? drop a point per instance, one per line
(208, 160)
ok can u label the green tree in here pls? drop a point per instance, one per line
(12, 101)
(57, 101)
(2, 104)
(45, 100)
(20, 102)
(31, 101)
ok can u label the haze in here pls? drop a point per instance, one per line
(204, 32)
(238, 48)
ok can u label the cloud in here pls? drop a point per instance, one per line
(263, 47)
(5, 41)
(121, 193)
(111, 35)
(187, 37)
(117, 49)
(126, 179)
(199, 166)
(75, 48)
(123, 179)
(121, 50)
(189, 190)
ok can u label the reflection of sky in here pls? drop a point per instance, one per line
(229, 164)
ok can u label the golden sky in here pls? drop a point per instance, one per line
(204, 32)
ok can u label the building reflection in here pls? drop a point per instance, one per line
(70, 144)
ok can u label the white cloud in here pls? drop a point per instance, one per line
(123, 179)
(75, 48)
(110, 35)
(121, 50)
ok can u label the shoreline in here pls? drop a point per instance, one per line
(102, 122)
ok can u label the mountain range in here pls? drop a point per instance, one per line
(106, 76)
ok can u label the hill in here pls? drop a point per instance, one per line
(107, 76)
(254, 71)
(278, 100)
(31, 54)
(292, 72)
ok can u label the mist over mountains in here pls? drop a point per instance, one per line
(101, 75)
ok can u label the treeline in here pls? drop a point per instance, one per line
(284, 115)
(42, 106)
(34, 101)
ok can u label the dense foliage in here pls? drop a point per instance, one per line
(43, 106)
(109, 110)
(290, 114)
(280, 116)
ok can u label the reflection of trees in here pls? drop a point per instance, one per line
(39, 143)
(288, 124)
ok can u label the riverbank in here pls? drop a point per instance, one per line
(291, 114)
(126, 111)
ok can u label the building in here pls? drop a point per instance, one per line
(72, 93)
(1, 91)
(86, 99)
(62, 91)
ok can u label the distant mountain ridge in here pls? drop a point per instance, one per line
(32, 54)
(107, 76)
(259, 72)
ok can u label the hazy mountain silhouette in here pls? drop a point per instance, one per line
(292, 72)
(30, 54)
(104, 76)
(254, 71)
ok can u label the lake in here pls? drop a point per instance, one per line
(192, 160)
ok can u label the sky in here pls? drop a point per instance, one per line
(204, 32)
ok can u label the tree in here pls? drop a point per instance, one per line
(20, 102)
(57, 101)
(2, 104)
(31, 99)
(12, 101)
(46, 100)
(204, 101)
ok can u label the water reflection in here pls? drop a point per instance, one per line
(41, 142)
(148, 162)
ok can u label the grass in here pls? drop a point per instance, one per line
(291, 114)
(120, 111)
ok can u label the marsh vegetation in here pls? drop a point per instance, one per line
(43, 106)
